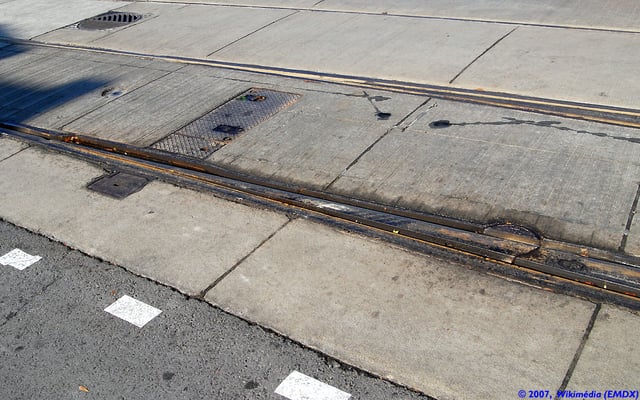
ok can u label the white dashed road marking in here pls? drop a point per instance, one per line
(298, 386)
(19, 259)
(133, 311)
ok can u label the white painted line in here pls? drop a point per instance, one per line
(19, 259)
(298, 386)
(133, 311)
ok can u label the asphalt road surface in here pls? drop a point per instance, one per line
(57, 342)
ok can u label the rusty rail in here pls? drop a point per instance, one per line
(616, 273)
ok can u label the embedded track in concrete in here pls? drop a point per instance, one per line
(620, 116)
(508, 250)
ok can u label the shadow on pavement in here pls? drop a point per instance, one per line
(24, 96)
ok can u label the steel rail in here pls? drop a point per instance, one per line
(612, 115)
(613, 272)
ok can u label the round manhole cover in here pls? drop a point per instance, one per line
(514, 232)
(109, 20)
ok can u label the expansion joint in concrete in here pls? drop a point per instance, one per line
(204, 292)
(576, 357)
(13, 154)
(483, 53)
(252, 33)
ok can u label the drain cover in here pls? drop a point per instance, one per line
(205, 135)
(118, 184)
(109, 20)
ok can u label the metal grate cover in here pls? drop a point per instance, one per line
(109, 20)
(205, 135)
(118, 184)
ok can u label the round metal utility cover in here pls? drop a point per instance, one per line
(109, 20)
(516, 233)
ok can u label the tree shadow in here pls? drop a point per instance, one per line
(24, 96)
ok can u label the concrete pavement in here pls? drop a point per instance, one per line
(57, 342)
(535, 59)
(437, 325)
(552, 175)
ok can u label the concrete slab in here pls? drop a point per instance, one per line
(192, 31)
(557, 63)
(53, 92)
(28, 18)
(612, 346)
(157, 109)
(418, 50)
(608, 14)
(179, 237)
(9, 147)
(311, 142)
(56, 91)
(414, 319)
(570, 180)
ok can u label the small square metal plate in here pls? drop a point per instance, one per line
(209, 133)
(118, 184)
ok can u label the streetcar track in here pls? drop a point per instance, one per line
(612, 115)
(615, 274)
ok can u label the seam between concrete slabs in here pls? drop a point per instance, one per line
(312, 283)
(91, 227)
(482, 54)
(627, 229)
(251, 33)
(204, 292)
(12, 154)
(576, 357)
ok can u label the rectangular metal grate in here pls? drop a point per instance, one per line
(209, 133)
(118, 184)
